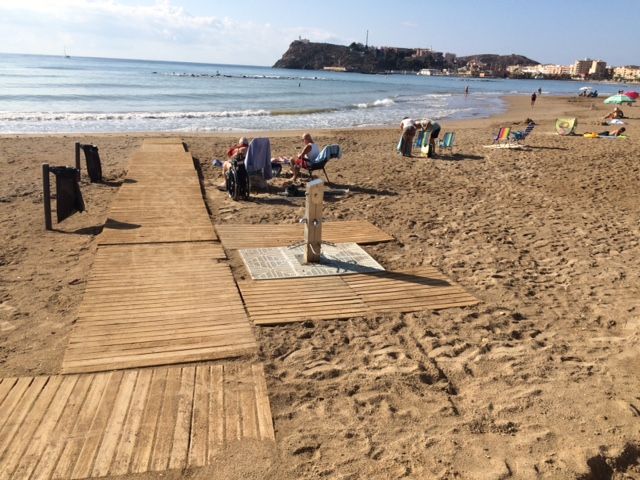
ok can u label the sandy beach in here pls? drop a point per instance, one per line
(539, 380)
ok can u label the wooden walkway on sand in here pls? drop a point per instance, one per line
(121, 422)
(159, 201)
(239, 236)
(345, 296)
(158, 304)
(158, 293)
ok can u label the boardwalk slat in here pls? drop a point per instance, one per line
(45, 431)
(28, 424)
(200, 417)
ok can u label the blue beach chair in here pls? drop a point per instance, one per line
(447, 141)
(520, 136)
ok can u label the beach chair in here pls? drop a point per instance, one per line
(419, 138)
(521, 135)
(447, 141)
(326, 154)
(425, 146)
(503, 136)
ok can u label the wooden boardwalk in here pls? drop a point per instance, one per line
(155, 305)
(157, 293)
(94, 425)
(238, 236)
(160, 200)
(345, 296)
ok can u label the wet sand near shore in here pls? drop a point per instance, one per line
(540, 380)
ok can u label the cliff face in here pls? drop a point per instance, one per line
(356, 57)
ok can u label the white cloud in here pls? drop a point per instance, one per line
(159, 31)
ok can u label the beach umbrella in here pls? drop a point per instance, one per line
(618, 99)
(632, 95)
(582, 89)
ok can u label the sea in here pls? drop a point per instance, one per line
(59, 94)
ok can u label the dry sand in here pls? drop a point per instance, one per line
(540, 380)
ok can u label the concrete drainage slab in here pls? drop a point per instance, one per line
(287, 262)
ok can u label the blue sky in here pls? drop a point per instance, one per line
(258, 32)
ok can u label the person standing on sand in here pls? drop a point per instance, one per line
(533, 99)
(466, 90)
(408, 127)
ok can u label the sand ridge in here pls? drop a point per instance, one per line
(539, 380)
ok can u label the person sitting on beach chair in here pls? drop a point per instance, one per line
(307, 155)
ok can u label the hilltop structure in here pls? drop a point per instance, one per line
(306, 55)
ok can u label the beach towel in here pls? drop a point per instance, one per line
(259, 157)
(327, 153)
(419, 138)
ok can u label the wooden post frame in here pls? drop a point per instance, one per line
(78, 155)
(313, 221)
(46, 196)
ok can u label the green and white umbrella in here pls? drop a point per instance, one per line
(619, 99)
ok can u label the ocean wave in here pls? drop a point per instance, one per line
(100, 117)
(235, 75)
(384, 102)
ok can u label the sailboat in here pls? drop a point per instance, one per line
(65, 53)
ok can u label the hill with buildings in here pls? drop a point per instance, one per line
(306, 55)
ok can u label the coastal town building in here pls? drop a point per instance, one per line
(629, 72)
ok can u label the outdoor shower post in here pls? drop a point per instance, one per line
(313, 221)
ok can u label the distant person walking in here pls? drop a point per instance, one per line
(533, 99)
(466, 90)
(539, 91)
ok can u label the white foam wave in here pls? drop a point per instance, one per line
(384, 102)
(100, 117)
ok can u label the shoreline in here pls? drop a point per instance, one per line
(511, 102)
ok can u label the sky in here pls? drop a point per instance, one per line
(258, 32)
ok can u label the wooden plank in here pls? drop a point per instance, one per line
(111, 435)
(136, 421)
(148, 427)
(200, 419)
(181, 434)
(27, 425)
(58, 438)
(131, 426)
(265, 422)
(233, 425)
(18, 403)
(12, 399)
(93, 436)
(217, 424)
(166, 422)
(238, 236)
(247, 402)
(45, 431)
(6, 384)
(86, 414)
